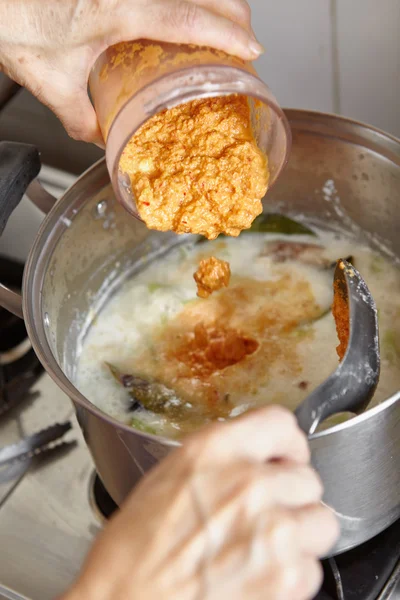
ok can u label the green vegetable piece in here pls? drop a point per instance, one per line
(391, 346)
(137, 424)
(377, 264)
(302, 332)
(183, 253)
(153, 287)
(190, 301)
(276, 223)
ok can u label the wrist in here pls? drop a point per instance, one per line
(88, 589)
(69, 595)
(76, 593)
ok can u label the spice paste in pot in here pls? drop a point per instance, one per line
(269, 337)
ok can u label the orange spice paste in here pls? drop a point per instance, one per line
(196, 168)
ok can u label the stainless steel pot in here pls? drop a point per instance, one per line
(340, 171)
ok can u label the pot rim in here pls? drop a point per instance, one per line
(32, 304)
(297, 114)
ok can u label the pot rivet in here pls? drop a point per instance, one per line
(46, 319)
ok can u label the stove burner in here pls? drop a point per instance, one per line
(12, 328)
(100, 500)
(19, 366)
(332, 588)
(365, 572)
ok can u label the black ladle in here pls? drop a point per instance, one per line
(351, 387)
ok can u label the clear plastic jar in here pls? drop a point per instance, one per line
(133, 81)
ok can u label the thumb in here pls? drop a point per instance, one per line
(78, 117)
(185, 22)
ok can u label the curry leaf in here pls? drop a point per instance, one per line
(274, 223)
(277, 223)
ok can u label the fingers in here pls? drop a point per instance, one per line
(279, 561)
(252, 568)
(236, 10)
(65, 95)
(309, 531)
(291, 486)
(317, 528)
(262, 500)
(292, 519)
(262, 435)
(254, 490)
(310, 579)
(297, 581)
(78, 117)
(188, 22)
(76, 113)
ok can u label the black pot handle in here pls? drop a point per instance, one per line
(19, 165)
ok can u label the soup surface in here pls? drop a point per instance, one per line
(165, 361)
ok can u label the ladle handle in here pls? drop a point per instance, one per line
(19, 165)
(351, 387)
(340, 393)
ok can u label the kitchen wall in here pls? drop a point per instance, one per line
(341, 56)
(331, 55)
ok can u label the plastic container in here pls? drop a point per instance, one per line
(133, 81)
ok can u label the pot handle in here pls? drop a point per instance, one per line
(19, 165)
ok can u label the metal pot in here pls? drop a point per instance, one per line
(88, 245)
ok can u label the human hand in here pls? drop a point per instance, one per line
(50, 47)
(234, 513)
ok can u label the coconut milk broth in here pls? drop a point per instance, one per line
(124, 330)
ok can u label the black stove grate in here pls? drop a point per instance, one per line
(364, 571)
(19, 365)
(104, 503)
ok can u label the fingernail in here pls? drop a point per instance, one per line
(255, 48)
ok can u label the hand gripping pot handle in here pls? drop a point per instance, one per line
(19, 166)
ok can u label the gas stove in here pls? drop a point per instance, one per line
(47, 522)
(48, 516)
(51, 515)
(53, 505)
